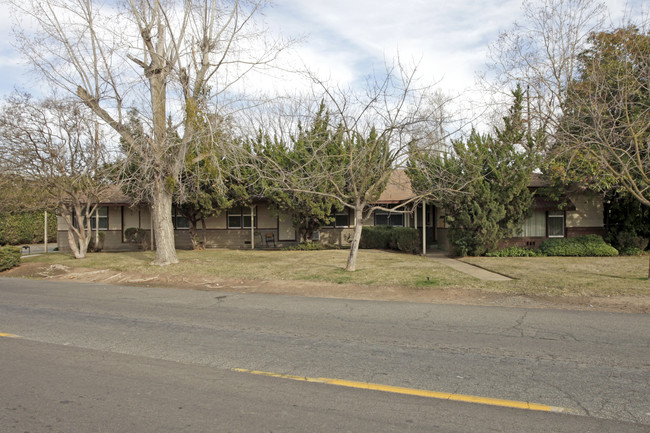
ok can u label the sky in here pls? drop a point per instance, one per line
(347, 40)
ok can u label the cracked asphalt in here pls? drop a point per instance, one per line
(594, 364)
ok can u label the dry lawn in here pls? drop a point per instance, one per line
(534, 276)
(575, 276)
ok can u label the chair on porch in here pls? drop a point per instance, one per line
(270, 239)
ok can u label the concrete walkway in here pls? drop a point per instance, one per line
(466, 268)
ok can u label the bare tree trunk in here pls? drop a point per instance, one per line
(194, 235)
(77, 239)
(356, 238)
(162, 226)
(204, 235)
(72, 242)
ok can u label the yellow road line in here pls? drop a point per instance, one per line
(2, 334)
(412, 391)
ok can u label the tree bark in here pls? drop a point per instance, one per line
(162, 225)
(204, 235)
(194, 233)
(356, 238)
(77, 239)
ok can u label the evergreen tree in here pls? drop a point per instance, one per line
(495, 199)
(314, 149)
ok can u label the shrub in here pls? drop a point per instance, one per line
(375, 237)
(26, 228)
(137, 236)
(514, 251)
(630, 251)
(628, 240)
(590, 245)
(9, 257)
(309, 246)
(403, 239)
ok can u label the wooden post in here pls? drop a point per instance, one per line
(151, 228)
(45, 232)
(97, 228)
(252, 227)
(424, 228)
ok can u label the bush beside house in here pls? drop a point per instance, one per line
(590, 245)
(403, 239)
(26, 228)
(9, 257)
(580, 246)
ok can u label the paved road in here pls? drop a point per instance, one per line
(90, 354)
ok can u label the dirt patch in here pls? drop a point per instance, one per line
(628, 304)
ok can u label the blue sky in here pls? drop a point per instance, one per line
(346, 40)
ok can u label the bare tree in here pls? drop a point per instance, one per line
(170, 60)
(540, 53)
(606, 129)
(57, 147)
(371, 135)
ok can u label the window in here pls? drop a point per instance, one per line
(100, 216)
(240, 218)
(342, 218)
(339, 219)
(535, 225)
(180, 222)
(556, 224)
(383, 218)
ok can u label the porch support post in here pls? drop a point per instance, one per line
(424, 227)
(252, 227)
(151, 228)
(45, 232)
(97, 227)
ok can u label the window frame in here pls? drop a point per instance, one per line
(176, 216)
(389, 215)
(556, 215)
(242, 213)
(333, 215)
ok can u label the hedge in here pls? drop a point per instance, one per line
(9, 257)
(403, 239)
(513, 251)
(26, 228)
(590, 245)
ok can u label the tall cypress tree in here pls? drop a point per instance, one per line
(496, 199)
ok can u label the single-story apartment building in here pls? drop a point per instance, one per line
(258, 226)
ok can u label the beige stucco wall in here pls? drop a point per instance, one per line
(132, 218)
(335, 236)
(588, 213)
(216, 222)
(265, 218)
(114, 218)
(60, 223)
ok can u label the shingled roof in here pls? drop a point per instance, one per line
(398, 188)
